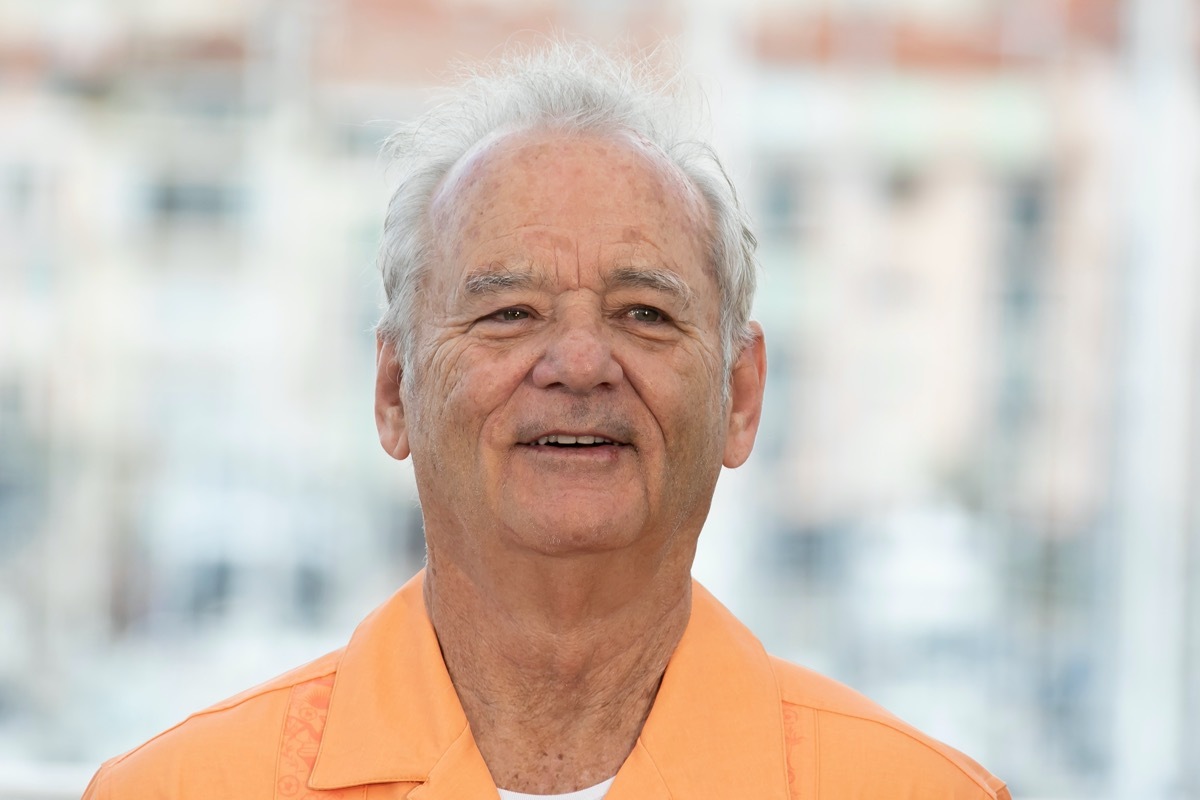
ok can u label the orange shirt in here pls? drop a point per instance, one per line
(380, 719)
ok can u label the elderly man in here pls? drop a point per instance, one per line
(567, 358)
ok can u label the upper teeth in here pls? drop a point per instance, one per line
(562, 438)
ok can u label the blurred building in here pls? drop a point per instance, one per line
(936, 218)
(957, 293)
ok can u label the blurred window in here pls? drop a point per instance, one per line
(16, 192)
(23, 470)
(784, 203)
(311, 587)
(211, 588)
(363, 140)
(1026, 200)
(194, 86)
(812, 556)
(902, 186)
(174, 200)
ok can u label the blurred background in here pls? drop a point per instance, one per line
(974, 495)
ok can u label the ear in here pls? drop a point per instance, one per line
(746, 382)
(389, 401)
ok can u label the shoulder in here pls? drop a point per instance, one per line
(229, 749)
(857, 748)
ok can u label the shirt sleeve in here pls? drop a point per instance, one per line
(98, 788)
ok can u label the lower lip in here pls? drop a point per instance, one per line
(599, 454)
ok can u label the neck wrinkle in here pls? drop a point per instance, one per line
(555, 704)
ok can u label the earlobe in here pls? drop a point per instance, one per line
(389, 401)
(747, 380)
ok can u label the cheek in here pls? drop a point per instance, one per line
(702, 413)
(437, 374)
(472, 383)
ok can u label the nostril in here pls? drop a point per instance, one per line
(578, 362)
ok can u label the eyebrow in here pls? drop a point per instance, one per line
(488, 281)
(485, 281)
(659, 280)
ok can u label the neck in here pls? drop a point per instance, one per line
(557, 665)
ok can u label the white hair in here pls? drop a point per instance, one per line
(576, 88)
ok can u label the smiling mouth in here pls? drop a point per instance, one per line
(563, 440)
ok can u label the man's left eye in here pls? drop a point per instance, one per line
(510, 315)
(646, 314)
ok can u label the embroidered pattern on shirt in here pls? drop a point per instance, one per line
(308, 705)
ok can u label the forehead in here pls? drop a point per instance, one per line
(612, 184)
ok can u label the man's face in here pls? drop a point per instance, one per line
(567, 386)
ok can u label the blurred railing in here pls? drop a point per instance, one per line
(43, 781)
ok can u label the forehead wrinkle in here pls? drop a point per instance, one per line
(578, 265)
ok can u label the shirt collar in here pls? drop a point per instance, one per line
(394, 715)
(717, 722)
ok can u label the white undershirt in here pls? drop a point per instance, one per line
(591, 793)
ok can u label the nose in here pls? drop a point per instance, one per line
(578, 356)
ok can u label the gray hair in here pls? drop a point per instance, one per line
(576, 88)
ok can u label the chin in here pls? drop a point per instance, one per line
(568, 537)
